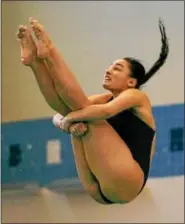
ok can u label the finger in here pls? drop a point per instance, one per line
(84, 128)
(78, 134)
(72, 130)
(80, 130)
(76, 131)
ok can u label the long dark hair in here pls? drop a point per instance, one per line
(138, 70)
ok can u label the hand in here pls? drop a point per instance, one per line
(65, 124)
(78, 129)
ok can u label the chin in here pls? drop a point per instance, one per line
(105, 86)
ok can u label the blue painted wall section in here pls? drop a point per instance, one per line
(34, 167)
(33, 136)
(167, 162)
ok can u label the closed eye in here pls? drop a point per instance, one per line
(118, 69)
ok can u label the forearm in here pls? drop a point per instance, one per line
(90, 113)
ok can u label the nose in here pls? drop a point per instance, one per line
(107, 71)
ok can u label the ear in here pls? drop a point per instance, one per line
(132, 83)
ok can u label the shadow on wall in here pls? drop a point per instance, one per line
(36, 152)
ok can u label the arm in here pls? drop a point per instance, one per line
(94, 99)
(128, 99)
(81, 127)
(76, 129)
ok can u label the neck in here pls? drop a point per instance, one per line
(117, 93)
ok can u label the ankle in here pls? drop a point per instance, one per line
(35, 62)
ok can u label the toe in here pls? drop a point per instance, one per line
(33, 22)
(22, 28)
(36, 25)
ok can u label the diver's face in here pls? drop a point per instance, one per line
(117, 76)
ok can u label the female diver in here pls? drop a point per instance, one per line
(113, 134)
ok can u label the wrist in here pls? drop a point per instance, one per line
(68, 118)
(57, 119)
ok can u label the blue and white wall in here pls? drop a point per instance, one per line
(90, 35)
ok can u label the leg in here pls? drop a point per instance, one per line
(40, 70)
(125, 177)
(46, 85)
(109, 158)
(65, 83)
(86, 177)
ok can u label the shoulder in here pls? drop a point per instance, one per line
(100, 98)
(134, 94)
(131, 98)
(143, 104)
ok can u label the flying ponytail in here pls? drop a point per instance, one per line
(163, 54)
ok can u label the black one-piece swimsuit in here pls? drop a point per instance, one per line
(138, 136)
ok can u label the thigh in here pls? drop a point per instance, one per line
(87, 178)
(111, 161)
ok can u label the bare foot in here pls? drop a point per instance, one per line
(28, 47)
(44, 44)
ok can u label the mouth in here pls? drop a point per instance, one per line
(107, 78)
